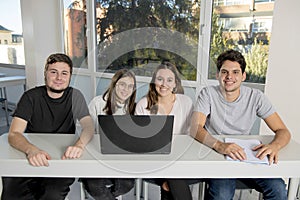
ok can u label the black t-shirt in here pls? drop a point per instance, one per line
(47, 115)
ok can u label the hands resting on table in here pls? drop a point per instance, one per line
(37, 157)
(237, 153)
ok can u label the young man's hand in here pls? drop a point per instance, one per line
(233, 150)
(270, 150)
(73, 152)
(38, 158)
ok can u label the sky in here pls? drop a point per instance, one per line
(10, 15)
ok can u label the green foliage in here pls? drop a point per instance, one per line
(126, 15)
(218, 44)
(256, 54)
(257, 62)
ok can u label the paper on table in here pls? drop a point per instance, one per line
(248, 144)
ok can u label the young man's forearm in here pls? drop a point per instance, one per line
(88, 130)
(200, 134)
(19, 142)
(282, 138)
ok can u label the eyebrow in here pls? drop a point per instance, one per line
(164, 77)
(53, 69)
(235, 70)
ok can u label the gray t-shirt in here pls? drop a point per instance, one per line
(232, 118)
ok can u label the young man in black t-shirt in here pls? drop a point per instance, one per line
(52, 108)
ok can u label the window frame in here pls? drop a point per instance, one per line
(202, 57)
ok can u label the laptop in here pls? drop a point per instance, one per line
(135, 134)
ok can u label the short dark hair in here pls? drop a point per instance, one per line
(233, 56)
(59, 57)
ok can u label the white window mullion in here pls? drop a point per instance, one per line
(91, 44)
(204, 44)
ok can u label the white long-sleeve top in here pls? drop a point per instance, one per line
(182, 111)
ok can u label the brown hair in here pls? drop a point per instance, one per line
(59, 57)
(152, 95)
(233, 56)
(110, 94)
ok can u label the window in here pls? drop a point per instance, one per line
(140, 34)
(244, 26)
(11, 52)
(75, 32)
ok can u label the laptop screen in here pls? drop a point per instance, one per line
(127, 134)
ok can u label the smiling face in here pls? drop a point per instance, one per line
(230, 77)
(164, 82)
(57, 78)
(124, 88)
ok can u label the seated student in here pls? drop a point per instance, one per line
(118, 99)
(165, 97)
(231, 109)
(51, 108)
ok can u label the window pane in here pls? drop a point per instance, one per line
(139, 34)
(244, 26)
(11, 38)
(75, 32)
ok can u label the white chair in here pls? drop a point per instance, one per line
(138, 188)
(5, 105)
(144, 185)
(1, 187)
(298, 192)
(76, 191)
(241, 187)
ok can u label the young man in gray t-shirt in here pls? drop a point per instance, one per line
(231, 109)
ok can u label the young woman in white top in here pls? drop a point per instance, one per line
(118, 99)
(165, 97)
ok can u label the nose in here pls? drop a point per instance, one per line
(126, 87)
(228, 76)
(163, 83)
(59, 76)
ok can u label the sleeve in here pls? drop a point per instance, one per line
(202, 103)
(24, 109)
(190, 109)
(80, 108)
(264, 106)
(189, 112)
(93, 109)
(140, 108)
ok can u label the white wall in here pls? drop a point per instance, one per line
(42, 36)
(282, 85)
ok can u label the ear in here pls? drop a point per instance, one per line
(45, 76)
(217, 75)
(244, 76)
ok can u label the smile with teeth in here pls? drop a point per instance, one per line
(163, 89)
(229, 82)
(124, 94)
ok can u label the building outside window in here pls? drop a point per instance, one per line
(11, 39)
(75, 32)
(244, 25)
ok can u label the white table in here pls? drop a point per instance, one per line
(189, 159)
(12, 81)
